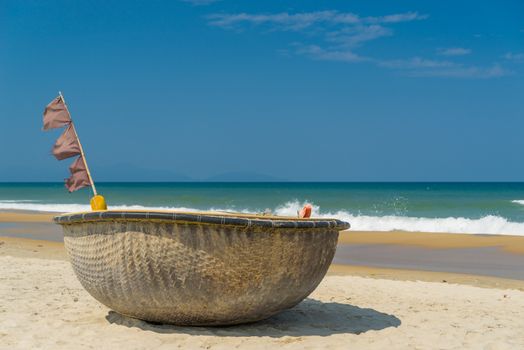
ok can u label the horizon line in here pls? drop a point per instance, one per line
(282, 181)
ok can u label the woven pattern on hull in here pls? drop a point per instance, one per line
(197, 274)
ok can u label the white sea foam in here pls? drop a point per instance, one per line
(490, 224)
(518, 201)
(68, 208)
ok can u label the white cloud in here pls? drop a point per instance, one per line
(453, 51)
(516, 57)
(283, 21)
(495, 71)
(415, 63)
(318, 53)
(300, 21)
(340, 32)
(335, 36)
(344, 29)
(401, 17)
(422, 67)
(353, 36)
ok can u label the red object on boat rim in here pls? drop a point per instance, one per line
(305, 212)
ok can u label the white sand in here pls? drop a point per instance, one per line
(43, 306)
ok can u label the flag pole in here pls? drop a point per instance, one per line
(80, 146)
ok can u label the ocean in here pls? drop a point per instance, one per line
(490, 208)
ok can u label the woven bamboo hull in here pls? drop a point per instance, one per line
(194, 273)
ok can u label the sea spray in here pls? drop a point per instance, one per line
(490, 224)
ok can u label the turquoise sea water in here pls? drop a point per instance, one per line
(437, 207)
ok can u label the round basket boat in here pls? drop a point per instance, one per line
(198, 268)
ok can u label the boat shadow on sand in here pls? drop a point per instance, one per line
(309, 318)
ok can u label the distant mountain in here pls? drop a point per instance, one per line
(132, 173)
(125, 172)
(243, 176)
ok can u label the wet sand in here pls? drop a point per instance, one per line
(488, 261)
(25, 216)
(513, 244)
(485, 255)
(489, 255)
(425, 276)
(43, 249)
(32, 230)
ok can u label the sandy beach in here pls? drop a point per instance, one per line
(43, 306)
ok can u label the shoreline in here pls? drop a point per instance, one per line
(51, 250)
(509, 243)
(395, 255)
(20, 216)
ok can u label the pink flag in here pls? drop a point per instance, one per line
(79, 177)
(56, 114)
(67, 145)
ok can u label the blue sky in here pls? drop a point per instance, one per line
(292, 90)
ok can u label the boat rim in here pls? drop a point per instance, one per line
(209, 217)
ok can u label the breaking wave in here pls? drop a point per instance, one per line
(68, 207)
(490, 224)
(518, 201)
